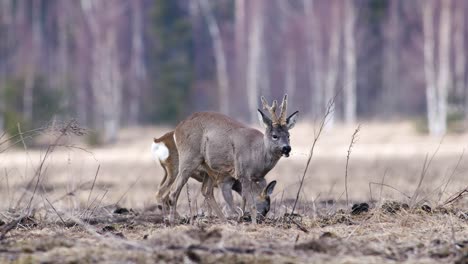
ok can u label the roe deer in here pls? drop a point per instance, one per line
(223, 146)
(165, 150)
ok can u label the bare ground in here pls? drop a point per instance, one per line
(73, 217)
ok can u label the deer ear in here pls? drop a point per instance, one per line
(269, 189)
(291, 120)
(265, 121)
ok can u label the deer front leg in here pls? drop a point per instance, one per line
(207, 191)
(249, 195)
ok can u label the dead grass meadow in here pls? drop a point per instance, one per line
(66, 202)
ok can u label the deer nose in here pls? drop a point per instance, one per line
(286, 150)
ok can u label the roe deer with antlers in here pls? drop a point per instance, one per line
(223, 146)
(165, 150)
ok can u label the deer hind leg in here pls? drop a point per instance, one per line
(165, 190)
(188, 164)
(162, 189)
(226, 189)
(207, 191)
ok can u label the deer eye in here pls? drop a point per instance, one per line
(274, 137)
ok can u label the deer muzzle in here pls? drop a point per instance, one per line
(286, 150)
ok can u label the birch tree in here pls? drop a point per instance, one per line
(437, 82)
(254, 57)
(459, 49)
(350, 63)
(314, 56)
(390, 78)
(332, 68)
(240, 45)
(220, 58)
(106, 79)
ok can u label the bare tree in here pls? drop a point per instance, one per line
(459, 48)
(254, 57)
(33, 60)
(437, 83)
(240, 42)
(220, 58)
(350, 63)
(6, 19)
(333, 56)
(314, 56)
(106, 80)
(137, 65)
(390, 78)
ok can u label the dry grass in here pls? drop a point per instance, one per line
(74, 221)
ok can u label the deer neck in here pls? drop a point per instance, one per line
(270, 156)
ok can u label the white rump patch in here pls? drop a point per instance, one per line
(160, 151)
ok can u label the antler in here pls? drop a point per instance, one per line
(277, 120)
(284, 106)
(271, 109)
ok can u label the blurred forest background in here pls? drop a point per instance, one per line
(117, 63)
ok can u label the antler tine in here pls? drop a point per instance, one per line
(284, 106)
(271, 109)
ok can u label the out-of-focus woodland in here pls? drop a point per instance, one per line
(116, 63)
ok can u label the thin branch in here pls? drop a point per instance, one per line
(328, 112)
(389, 186)
(131, 186)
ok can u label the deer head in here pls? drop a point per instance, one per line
(277, 126)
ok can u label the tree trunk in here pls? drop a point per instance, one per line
(254, 63)
(350, 63)
(240, 49)
(220, 58)
(137, 68)
(443, 83)
(63, 53)
(391, 83)
(106, 80)
(31, 67)
(459, 49)
(429, 71)
(314, 58)
(437, 83)
(331, 76)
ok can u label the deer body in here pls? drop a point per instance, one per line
(165, 150)
(224, 146)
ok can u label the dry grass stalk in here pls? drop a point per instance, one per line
(351, 144)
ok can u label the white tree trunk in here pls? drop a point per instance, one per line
(429, 71)
(443, 83)
(437, 83)
(350, 63)
(220, 58)
(391, 82)
(315, 60)
(254, 63)
(290, 80)
(331, 76)
(106, 80)
(240, 56)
